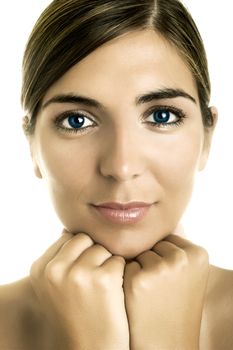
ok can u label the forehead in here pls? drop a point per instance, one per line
(132, 63)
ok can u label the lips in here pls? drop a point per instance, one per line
(123, 213)
(123, 206)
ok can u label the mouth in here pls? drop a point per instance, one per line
(123, 206)
(123, 213)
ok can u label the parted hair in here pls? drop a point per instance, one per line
(69, 30)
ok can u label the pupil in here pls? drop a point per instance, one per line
(76, 121)
(161, 116)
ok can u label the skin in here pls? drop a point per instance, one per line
(112, 166)
(145, 275)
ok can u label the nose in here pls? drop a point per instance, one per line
(122, 156)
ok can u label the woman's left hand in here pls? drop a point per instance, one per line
(164, 295)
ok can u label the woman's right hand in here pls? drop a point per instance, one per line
(79, 285)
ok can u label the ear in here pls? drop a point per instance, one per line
(26, 126)
(208, 134)
(36, 168)
(30, 138)
(35, 162)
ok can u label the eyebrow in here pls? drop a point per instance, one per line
(163, 94)
(160, 94)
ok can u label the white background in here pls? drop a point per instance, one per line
(28, 223)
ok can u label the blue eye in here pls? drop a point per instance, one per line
(163, 116)
(78, 122)
(73, 122)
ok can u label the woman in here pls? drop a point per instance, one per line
(118, 122)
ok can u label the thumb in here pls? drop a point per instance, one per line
(66, 232)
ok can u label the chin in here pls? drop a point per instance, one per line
(128, 252)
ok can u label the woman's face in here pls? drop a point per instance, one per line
(142, 139)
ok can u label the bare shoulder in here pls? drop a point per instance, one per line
(17, 315)
(217, 321)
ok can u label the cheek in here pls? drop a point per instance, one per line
(179, 161)
(67, 168)
(69, 173)
(175, 167)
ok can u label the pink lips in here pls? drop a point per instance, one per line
(123, 213)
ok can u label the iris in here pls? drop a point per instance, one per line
(161, 116)
(75, 121)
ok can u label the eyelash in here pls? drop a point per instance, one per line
(179, 113)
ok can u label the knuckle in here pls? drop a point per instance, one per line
(78, 277)
(53, 271)
(34, 270)
(202, 254)
(179, 256)
(162, 267)
(102, 280)
(139, 283)
(119, 259)
(81, 278)
(100, 249)
(84, 237)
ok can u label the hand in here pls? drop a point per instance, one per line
(79, 286)
(164, 292)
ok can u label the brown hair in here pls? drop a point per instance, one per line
(69, 30)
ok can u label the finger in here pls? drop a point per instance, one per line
(148, 259)
(39, 265)
(55, 247)
(73, 248)
(64, 231)
(178, 241)
(93, 256)
(131, 269)
(186, 245)
(166, 249)
(114, 264)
